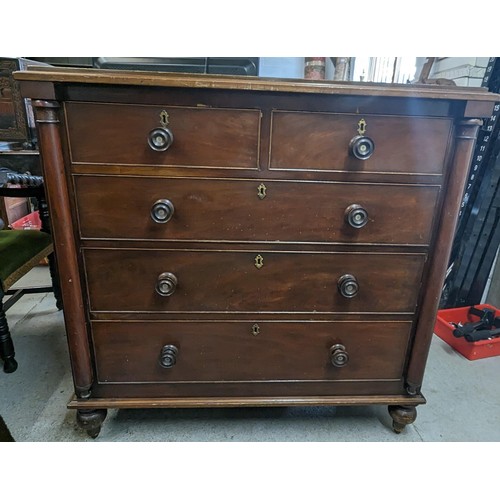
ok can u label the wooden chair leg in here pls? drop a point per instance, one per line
(7, 352)
(43, 211)
(54, 275)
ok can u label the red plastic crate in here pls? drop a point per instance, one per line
(470, 350)
(30, 221)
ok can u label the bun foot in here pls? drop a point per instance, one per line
(91, 421)
(93, 433)
(402, 416)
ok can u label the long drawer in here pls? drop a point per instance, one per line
(150, 280)
(204, 137)
(251, 210)
(321, 141)
(138, 352)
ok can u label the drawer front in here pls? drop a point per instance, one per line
(321, 141)
(229, 351)
(204, 137)
(232, 210)
(232, 281)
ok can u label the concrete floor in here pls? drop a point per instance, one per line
(463, 399)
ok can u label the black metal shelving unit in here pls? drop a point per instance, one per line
(477, 237)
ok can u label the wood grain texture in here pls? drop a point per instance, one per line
(230, 135)
(231, 210)
(268, 101)
(145, 79)
(172, 172)
(228, 281)
(320, 141)
(58, 197)
(228, 352)
(111, 133)
(466, 133)
(235, 402)
(212, 391)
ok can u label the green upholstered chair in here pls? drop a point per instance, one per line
(20, 251)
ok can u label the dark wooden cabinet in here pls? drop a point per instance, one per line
(229, 241)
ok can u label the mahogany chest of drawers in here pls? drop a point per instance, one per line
(228, 241)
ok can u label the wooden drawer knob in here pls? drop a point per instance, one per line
(162, 211)
(166, 284)
(361, 147)
(160, 139)
(338, 355)
(168, 356)
(348, 286)
(356, 216)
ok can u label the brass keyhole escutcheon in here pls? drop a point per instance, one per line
(259, 261)
(261, 191)
(255, 329)
(362, 126)
(164, 119)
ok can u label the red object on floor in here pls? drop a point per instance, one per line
(470, 350)
(30, 221)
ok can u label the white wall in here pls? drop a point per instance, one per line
(464, 71)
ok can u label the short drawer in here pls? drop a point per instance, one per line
(175, 352)
(150, 280)
(243, 210)
(202, 137)
(321, 141)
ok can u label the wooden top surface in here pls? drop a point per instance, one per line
(162, 79)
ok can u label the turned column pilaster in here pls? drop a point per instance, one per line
(57, 191)
(465, 138)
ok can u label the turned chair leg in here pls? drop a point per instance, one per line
(43, 211)
(54, 275)
(7, 352)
